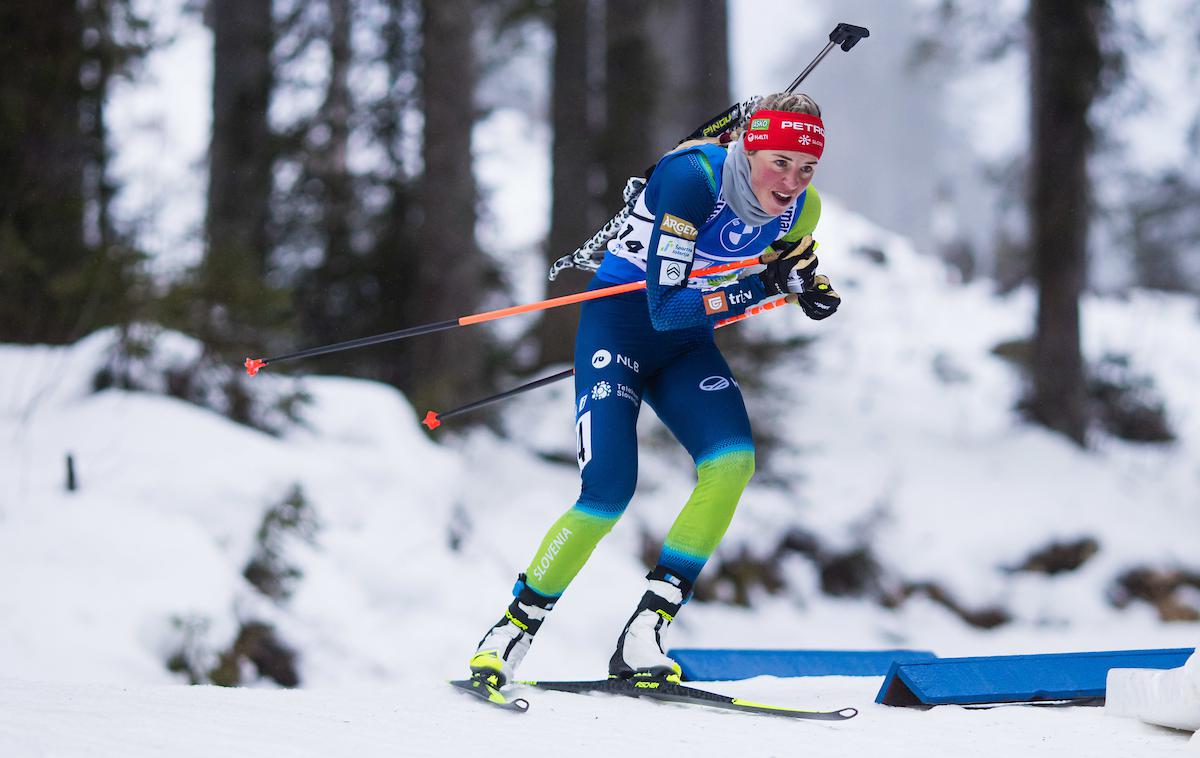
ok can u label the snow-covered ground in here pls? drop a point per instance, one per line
(899, 436)
(420, 718)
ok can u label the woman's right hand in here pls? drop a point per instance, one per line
(793, 270)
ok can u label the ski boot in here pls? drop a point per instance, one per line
(640, 652)
(505, 644)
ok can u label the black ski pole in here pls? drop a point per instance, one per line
(254, 365)
(433, 419)
(844, 35)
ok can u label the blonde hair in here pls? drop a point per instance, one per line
(794, 102)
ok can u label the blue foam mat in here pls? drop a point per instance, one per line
(1015, 678)
(700, 665)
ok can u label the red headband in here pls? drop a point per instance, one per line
(784, 130)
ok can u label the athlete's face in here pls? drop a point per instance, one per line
(779, 176)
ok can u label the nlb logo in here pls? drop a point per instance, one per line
(601, 358)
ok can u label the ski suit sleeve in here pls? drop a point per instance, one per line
(806, 222)
(682, 193)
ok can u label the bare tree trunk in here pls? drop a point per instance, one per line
(710, 60)
(1065, 73)
(631, 85)
(329, 297)
(572, 164)
(334, 168)
(451, 272)
(241, 153)
(43, 154)
(691, 61)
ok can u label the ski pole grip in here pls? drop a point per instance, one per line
(848, 35)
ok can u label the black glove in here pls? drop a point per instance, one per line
(798, 256)
(819, 300)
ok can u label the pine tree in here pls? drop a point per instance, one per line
(235, 305)
(1065, 65)
(65, 269)
(573, 212)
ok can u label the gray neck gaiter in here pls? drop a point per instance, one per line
(735, 187)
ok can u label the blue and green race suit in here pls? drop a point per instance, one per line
(657, 347)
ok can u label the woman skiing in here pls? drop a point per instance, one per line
(703, 204)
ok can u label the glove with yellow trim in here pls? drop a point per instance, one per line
(819, 300)
(793, 269)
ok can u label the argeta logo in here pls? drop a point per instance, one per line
(601, 358)
(714, 383)
(679, 227)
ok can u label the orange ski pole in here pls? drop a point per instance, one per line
(254, 365)
(433, 419)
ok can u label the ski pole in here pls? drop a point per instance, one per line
(433, 419)
(844, 35)
(254, 365)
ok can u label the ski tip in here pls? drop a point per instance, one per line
(431, 420)
(481, 689)
(254, 365)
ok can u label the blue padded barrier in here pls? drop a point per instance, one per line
(701, 665)
(1015, 678)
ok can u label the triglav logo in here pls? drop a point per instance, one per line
(601, 358)
(714, 303)
(714, 383)
(737, 298)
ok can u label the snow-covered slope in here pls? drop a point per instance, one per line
(411, 719)
(897, 434)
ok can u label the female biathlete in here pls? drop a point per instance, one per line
(704, 204)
